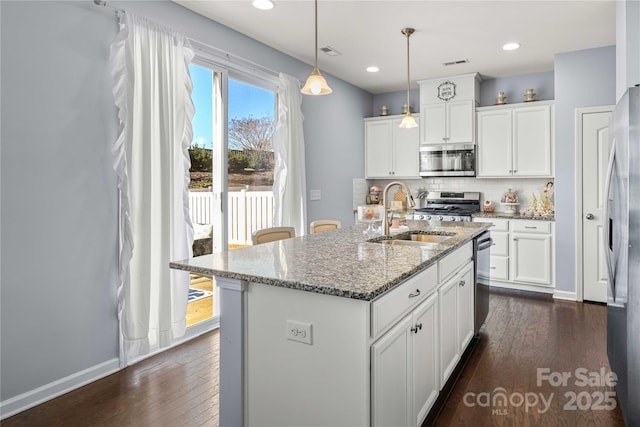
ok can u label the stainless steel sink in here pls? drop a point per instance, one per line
(428, 238)
(415, 238)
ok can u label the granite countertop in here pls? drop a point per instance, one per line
(341, 262)
(512, 216)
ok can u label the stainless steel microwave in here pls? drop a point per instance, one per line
(448, 160)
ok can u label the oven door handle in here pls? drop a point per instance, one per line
(485, 244)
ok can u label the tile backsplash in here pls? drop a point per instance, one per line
(490, 189)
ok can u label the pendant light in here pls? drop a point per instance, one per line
(316, 84)
(408, 121)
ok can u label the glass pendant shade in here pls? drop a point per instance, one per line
(316, 84)
(408, 122)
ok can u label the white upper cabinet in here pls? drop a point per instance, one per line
(447, 109)
(515, 140)
(448, 122)
(391, 152)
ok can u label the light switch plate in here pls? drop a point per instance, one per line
(315, 195)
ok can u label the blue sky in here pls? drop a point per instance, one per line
(244, 100)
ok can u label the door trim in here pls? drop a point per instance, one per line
(580, 113)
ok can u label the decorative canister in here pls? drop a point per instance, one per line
(488, 206)
(384, 110)
(529, 95)
(501, 98)
(405, 108)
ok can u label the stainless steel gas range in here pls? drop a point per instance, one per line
(448, 206)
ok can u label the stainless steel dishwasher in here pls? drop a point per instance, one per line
(481, 252)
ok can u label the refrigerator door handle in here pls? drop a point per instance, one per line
(606, 221)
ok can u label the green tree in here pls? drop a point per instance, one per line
(201, 159)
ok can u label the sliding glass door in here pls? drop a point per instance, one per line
(232, 163)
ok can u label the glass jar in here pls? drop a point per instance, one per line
(510, 197)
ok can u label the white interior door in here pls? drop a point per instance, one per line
(596, 144)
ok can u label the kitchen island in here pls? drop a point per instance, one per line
(320, 329)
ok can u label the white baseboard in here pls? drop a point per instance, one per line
(59, 387)
(521, 287)
(565, 295)
(56, 388)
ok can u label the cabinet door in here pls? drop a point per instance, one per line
(406, 151)
(532, 141)
(425, 358)
(433, 118)
(391, 376)
(494, 143)
(460, 122)
(466, 315)
(378, 148)
(448, 317)
(530, 257)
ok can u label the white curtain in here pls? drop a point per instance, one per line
(152, 91)
(289, 185)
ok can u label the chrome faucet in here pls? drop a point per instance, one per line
(387, 221)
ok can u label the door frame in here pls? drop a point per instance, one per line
(580, 113)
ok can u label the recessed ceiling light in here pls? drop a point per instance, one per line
(511, 46)
(373, 69)
(262, 4)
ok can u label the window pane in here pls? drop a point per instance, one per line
(250, 160)
(202, 295)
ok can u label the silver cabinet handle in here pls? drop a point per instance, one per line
(531, 227)
(590, 216)
(492, 268)
(415, 294)
(462, 283)
(416, 328)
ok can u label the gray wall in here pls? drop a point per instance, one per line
(582, 79)
(59, 196)
(514, 87)
(395, 101)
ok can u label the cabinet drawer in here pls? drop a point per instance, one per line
(391, 306)
(499, 224)
(452, 262)
(500, 243)
(499, 268)
(531, 226)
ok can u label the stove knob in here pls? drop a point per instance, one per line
(428, 217)
(454, 219)
(440, 218)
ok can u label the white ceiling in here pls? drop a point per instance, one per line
(368, 33)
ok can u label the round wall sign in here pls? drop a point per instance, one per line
(447, 91)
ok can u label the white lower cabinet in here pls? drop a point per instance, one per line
(449, 354)
(404, 369)
(456, 299)
(391, 376)
(411, 362)
(531, 252)
(466, 306)
(522, 255)
(425, 359)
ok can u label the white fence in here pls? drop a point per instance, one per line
(247, 211)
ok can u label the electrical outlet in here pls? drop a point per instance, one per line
(299, 331)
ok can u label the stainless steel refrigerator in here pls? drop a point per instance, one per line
(622, 240)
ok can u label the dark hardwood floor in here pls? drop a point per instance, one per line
(524, 332)
(176, 388)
